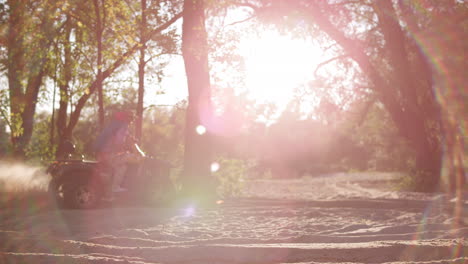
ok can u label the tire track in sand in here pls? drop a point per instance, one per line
(335, 221)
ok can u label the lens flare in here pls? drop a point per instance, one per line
(214, 167)
(189, 211)
(201, 130)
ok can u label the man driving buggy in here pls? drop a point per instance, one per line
(112, 151)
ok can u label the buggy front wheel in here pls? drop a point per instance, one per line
(82, 193)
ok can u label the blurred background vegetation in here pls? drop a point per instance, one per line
(377, 102)
(287, 148)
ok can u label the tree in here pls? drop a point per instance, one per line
(29, 36)
(93, 38)
(119, 59)
(66, 66)
(155, 50)
(376, 36)
(141, 72)
(198, 143)
(99, 26)
(448, 71)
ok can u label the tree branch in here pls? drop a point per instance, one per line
(320, 65)
(74, 116)
(240, 21)
(357, 54)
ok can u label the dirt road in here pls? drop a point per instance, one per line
(340, 218)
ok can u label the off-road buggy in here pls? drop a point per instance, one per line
(81, 184)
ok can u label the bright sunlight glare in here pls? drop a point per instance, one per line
(214, 167)
(276, 65)
(201, 130)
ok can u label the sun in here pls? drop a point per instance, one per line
(276, 64)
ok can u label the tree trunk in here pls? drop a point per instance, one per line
(197, 180)
(99, 79)
(65, 79)
(15, 66)
(26, 114)
(141, 74)
(397, 91)
(24, 77)
(414, 123)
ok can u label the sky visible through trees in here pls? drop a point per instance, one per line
(269, 79)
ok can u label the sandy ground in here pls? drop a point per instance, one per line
(340, 218)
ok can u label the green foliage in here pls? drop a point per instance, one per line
(85, 133)
(330, 139)
(231, 176)
(386, 149)
(163, 133)
(57, 41)
(40, 150)
(417, 180)
(349, 140)
(16, 124)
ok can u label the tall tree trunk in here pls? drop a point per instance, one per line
(397, 91)
(141, 74)
(16, 73)
(25, 77)
(27, 113)
(99, 79)
(415, 119)
(64, 93)
(197, 181)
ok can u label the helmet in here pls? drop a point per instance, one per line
(125, 116)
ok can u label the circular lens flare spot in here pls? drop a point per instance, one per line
(189, 211)
(214, 167)
(200, 130)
